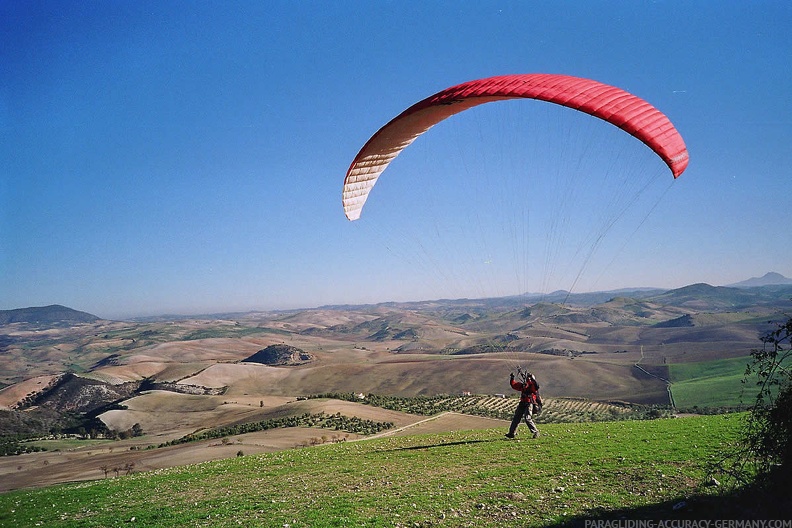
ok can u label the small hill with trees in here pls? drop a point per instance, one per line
(280, 355)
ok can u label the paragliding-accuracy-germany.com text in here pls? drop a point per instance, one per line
(678, 523)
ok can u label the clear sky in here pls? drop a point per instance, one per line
(188, 157)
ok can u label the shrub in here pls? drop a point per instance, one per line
(769, 430)
(759, 467)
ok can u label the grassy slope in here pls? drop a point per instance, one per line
(453, 479)
(711, 383)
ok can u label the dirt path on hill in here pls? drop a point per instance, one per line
(664, 380)
(458, 421)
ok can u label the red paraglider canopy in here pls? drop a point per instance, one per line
(614, 105)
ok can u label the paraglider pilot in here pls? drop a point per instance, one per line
(530, 403)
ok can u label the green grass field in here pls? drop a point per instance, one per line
(715, 383)
(632, 469)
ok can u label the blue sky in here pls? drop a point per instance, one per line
(188, 157)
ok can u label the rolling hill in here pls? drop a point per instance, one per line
(171, 378)
(53, 315)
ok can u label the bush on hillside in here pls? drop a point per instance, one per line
(769, 431)
(760, 466)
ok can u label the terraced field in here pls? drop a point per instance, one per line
(555, 410)
(565, 410)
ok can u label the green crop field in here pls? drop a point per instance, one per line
(627, 469)
(717, 383)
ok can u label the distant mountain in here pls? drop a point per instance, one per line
(768, 279)
(592, 298)
(511, 301)
(46, 315)
(704, 297)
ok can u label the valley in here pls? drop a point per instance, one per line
(172, 377)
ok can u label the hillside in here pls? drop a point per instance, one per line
(704, 297)
(54, 315)
(170, 379)
(633, 470)
(586, 351)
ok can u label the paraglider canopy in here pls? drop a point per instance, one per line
(614, 105)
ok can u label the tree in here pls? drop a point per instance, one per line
(758, 469)
(769, 428)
